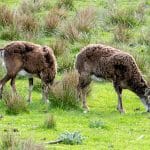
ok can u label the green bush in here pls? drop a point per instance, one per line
(71, 138)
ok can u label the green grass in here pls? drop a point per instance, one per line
(121, 132)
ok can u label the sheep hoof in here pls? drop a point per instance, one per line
(47, 101)
(122, 111)
(29, 101)
(86, 110)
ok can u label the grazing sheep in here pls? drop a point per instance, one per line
(111, 64)
(28, 59)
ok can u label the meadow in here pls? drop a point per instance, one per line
(67, 26)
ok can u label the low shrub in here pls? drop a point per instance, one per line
(71, 138)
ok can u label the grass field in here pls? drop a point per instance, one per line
(128, 131)
(122, 24)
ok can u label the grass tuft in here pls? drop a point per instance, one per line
(6, 16)
(59, 47)
(123, 16)
(9, 140)
(52, 20)
(10, 33)
(97, 124)
(63, 93)
(14, 104)
(69, 4)
(65, 62)
(85, 19)
(50, 122)
(122, 34)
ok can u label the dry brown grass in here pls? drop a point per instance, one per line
(59, 46)
(6, 16)
(69, 31)
(15, 104)
(121, 34)
(85, 19)
(11, 141)
(54, 17)
(28, 23)
(63, 93)
(29, 6)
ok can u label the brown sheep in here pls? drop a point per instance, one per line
(34, 60)
(111, 64)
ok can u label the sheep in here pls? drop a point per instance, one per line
(112, 64)
(25, 58)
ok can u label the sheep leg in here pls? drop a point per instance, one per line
(30, 89)
(13, 86)
(118, 90)
(2, 83)
(45, 92)
(84, 81)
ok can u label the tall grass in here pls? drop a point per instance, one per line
(11, 141)
(121, 34)
(65, 61)
(10, 33)
(53, 18)
(15, 104)
(69, 4)
(6, 16)
(59, 47)
(49, 122)
(63, 93)
(85, 19)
